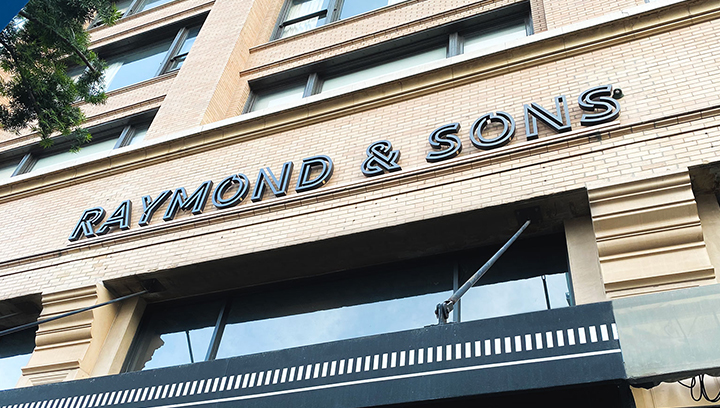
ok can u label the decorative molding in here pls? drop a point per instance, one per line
(648, 235)
(67, 348)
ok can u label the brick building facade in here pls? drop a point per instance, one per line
(631, 199)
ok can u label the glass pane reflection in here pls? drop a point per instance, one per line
(174, 335)
(15, 352)
(10, 370)
(513, 297)
(361, 302)
(482, 40)
(172, 348)
(329, 325)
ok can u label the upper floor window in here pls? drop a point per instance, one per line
(531, 276)
(476, 34)
(146, 62)
(299, 16)
(104, 140)
(130, 7)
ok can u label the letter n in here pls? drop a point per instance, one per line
(267, 178)
(559, 122)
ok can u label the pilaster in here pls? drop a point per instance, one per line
(649, 235)
(67, 348)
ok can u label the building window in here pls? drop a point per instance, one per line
(130, 7)
(147, 62)
(299, 16)
(103, 140)
(473, 35)
(483, 39)
(383, 68)
(531, 276)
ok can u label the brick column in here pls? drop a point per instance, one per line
(209, 78)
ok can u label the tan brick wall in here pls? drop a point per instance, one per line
(208, 78)
(148, 20)
(683, 60)
(361, 31)
(562, 12)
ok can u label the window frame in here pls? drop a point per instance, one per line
(177, 32)
(331, 13)
(452, 35)
(103, 132)
(133, 8)
(174, 50)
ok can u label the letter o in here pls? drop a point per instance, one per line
(507, 134)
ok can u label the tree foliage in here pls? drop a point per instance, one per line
(37, 50)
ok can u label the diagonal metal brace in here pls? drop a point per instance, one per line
(442, 310)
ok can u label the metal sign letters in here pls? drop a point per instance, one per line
(315, 171)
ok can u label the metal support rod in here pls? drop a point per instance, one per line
(442, 310)
(187, 336)
(74, 312)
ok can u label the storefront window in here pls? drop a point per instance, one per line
(382, 299)
(15, 352)
(178, 335)
(514, 297)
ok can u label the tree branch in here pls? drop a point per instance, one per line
(14, 56)
(75, 49)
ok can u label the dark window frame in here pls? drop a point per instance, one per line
(328, 12)
(178, 32)
(452, 35)
(331, 12)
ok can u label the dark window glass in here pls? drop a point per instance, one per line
(531, 276)
(175, 334)
(182, 53)
(15, 352)
(360, 304)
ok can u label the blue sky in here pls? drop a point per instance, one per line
(9, 9)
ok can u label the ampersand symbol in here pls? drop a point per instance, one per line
(381, 158)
